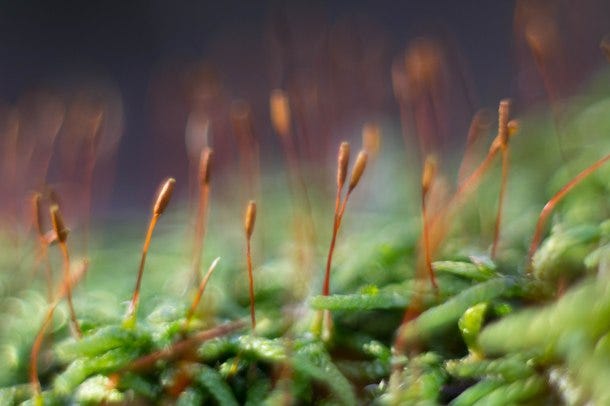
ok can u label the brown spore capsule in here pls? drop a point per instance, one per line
(342, 163)
(371, 138)
(503, 118)
(58, 224)
(357, 170)
(250, 218)
(205, 165)
(164, 196)
(428, 174)
(280, 112)
(513, 127)
(37, 213)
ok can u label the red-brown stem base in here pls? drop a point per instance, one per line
(550, 205)
(251, 284)
(67, 278)
(130, 318)
(504, 181)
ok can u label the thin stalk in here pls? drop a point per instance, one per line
(66, 259)
(427, 181)
(506, 129)
(505, 165)
(472, 181)
(411, 313)
(542, 43)
(442, 216)
(34, 380)
(355, 177)
(131, 312)
(426, 237)
(281, 120)
(200, 230)
(249, 222)
(478, 126)
(163, 198)
(47, 269)
(251, 283)
(202, 209)
(61, 233)
(329, 257)
(42, 244)
(550, 206)
(65, 287)
(249, 165)
(323, 320)
(298, 185)
(200, 291)
(180, 347)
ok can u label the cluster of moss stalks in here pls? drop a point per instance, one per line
(512, 330)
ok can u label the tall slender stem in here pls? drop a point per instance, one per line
(340, 209)
(478, 126)
(133, 306)
(200, 229)
(180, 347)
(249, 221)
(505, 165)
(163, 197)
(42, 258)
(200, 291)
(550, 205)
(251, 283)
(65, 287)
(35, 382)
(463, 190)
(426, 237)
(64, 251)
(323, 321)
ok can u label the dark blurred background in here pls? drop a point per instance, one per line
(156, 62)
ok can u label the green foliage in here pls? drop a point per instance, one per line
(516, 392)
(420, 382)
(476, 392)
(213, 382)
(509, 368)
(470, 325)
(391, 297)
(438, 318)
(311, 362)
(563, 253)
(476, 272)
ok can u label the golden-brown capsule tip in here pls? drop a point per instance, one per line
(503, 116)
(371, 138)
(342, 163)
(513, 127)
(357, 170)
(280, 112)
(164, 196)
(205, 165)
(58, 224)
(429, 173)
(37, 213)
(250, 218)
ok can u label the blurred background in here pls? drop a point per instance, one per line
(102, 100)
